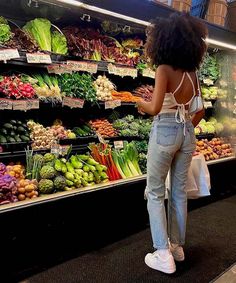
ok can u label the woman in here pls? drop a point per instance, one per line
(176, 46)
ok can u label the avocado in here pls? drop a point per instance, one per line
(8, 126)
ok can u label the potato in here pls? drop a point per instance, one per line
(21, 197)
(21, 190)
(29, 188)
(29, 195)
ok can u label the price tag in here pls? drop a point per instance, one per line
(59, 69)
(83, 66)
(19, 105)
(148, 73)
(54, 69)
(111, 104)
(73, 102)
(38, 58)
(64, 149)
(122, 71)
(118, 144)
(32, 104)
(55, 149)
(207, 104)
(101, 139)
(5, 104)
(8, 54)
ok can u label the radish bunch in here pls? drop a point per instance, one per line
(13, 87)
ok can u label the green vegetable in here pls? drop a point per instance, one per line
(63, 168)
(40, 30)
(5, 31)
(69, 176)
(70, 168)
(75, 162)
(210, 68)
(69, 183)
(58, 165)
(59, 43)
(86, 168)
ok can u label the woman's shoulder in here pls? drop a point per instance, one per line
(165, 68)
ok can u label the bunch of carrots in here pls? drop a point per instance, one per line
(103, 127)
(124, 96)
(102, 153)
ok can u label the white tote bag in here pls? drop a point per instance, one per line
(198, 182)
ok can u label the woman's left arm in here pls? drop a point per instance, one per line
(154, 106)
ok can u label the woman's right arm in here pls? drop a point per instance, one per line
(197, 117)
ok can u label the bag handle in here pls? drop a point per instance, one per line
(198, 85)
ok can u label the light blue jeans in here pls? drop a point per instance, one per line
(168, 149)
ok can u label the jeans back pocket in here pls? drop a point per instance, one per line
(166, 135)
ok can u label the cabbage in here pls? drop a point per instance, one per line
(40, 30)
(59, 43)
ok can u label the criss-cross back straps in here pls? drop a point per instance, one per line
(180, 84)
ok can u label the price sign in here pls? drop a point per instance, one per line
(148, 73)
(118, 144)
(54, 69)
(122, 71)
(73, 102)
(8, 54)
(55, 149)
(5, 104)
(64, 149)
(59, 69)
(207, 104)
(38, 58)
(111, 104)
(32, 104)
(19, 105)
(83, 66)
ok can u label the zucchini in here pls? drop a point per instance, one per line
(21, 129)
(24, 138)
(8, 126)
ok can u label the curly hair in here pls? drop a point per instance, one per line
(176, 41)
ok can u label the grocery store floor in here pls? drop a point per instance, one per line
(210, 250)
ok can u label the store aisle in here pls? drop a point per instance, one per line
(210, 250)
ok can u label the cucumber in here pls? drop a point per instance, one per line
(3, 131)
(87, 129)
(10, 139)
(21, 129)
(13, 122)
(24, 138)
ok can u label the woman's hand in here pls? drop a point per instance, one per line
(140, 107)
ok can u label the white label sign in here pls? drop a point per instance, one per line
(38, 58)
(8, 54)
(111, 104)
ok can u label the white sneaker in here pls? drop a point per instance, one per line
(177, 252)
(164, 263)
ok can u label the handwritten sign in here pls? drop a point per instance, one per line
(38, 58)
(207, 104)
(118, 144)
(32, 104)
(8, 54)
(64, 149)
(55, 149)
(148, 73)
(5, 104)
(73, 102)
(111, 104)
(19, 105)
(59, 69)
(122, 71)
(83, 66)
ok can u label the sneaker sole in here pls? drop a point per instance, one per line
(165, 270)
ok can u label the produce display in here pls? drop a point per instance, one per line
(131, 127)
(124, 96)
(14, 131)
(103, 127)
(14, 87)
(104, 88)
(214, 149)
(144, 91)
(213, 92)
(211, 126)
